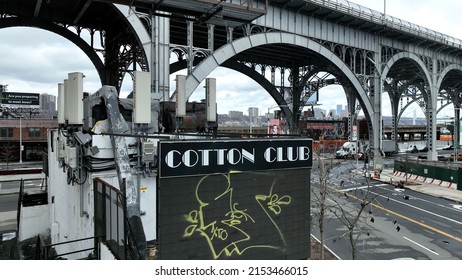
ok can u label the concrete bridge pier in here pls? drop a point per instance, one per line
(377, 115)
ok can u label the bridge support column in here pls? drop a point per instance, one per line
(394, 100)
(377, 120)
(456, 136)
(297, 105)
(352, 116)
(431, 117)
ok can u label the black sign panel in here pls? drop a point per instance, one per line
(20, 99)
(234, 206)
(184, 158)
(237, 215)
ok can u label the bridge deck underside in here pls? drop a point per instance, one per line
(99, 15)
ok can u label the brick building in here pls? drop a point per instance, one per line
(31, 132)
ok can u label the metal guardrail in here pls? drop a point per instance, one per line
(46, 254)
(129, 250)
(371, 15)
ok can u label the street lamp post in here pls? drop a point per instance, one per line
(20, 139)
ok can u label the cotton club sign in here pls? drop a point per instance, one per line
(185, 158)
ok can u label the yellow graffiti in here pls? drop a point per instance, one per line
(228, 236)
(274, 205)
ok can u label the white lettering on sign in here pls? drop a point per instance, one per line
(276, 154)
(191, 158)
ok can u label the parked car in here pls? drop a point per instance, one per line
(425, 149)
(440, 158)
(417, 150)
(413, 150)
(459, 157)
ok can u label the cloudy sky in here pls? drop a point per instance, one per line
(34, 60)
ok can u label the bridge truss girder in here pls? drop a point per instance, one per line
(414, 93)
(117, 48)
(202, 37)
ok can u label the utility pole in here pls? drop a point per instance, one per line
(20, 139)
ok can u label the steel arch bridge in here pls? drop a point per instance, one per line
(283, 45)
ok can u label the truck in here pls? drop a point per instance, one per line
(389, 147)
(348, 150)
(351, 149)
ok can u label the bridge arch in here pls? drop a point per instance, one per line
(445, 72)
(406, 55)
(258, 78)
(418, 63)
(403, 55)
(142, 36)
(220, 56)
(243, 69)
(62, 31)
(124, 42)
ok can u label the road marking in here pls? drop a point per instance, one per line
(420, 209)
(352, 189)
(420, 245)
(457, 206)
(363, 187)
(325, 246)
(410, 219)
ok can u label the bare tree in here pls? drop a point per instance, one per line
(354, 218)
(7, 153)
(319, 196)
(329, 202)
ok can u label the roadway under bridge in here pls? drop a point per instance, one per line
(290, 47)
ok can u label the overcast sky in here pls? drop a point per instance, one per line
(34, 60)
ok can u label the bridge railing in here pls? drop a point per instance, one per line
(390, 21)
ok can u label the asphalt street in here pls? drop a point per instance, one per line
(398, 223)
(9, 195)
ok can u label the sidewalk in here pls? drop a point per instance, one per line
(8, 221)
(387, 176)
(5, 178)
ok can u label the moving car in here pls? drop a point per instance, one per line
(448, 148)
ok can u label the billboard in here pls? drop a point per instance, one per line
(234, 199)
(275, 126)
(20, 99)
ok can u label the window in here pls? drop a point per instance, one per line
(34, 132)
(6, 132)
